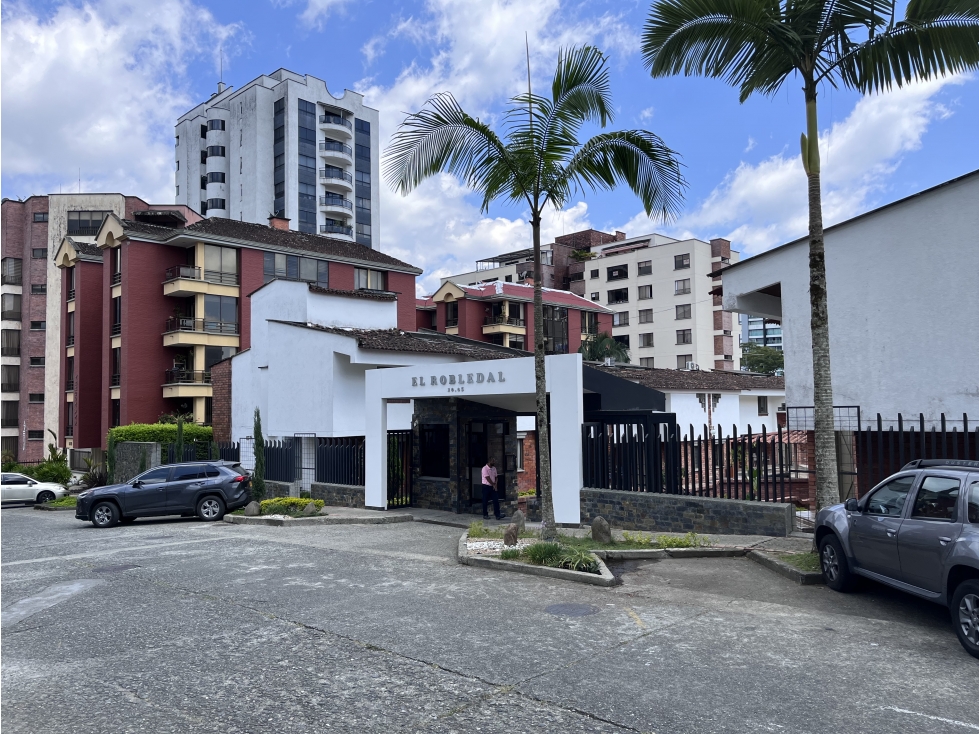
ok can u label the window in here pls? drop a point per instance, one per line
(681, 262)
(221, 314)
(682, 360)
(889, 499)
(762, 405)
(363, 126)
(35, 397)
(39, 253)
(35, 435)
(555, 329)
(116, 314)
(188, 473)
(619, 295)
(451, 314)
(178, 190)
(307, 161)
(363, 151)
(645, 361)
(646, 339)
(620, 319)
(364, 177)
(9, 413)
(155, 476)
(176, 142)
(116, 411)
(70, 373)
(116, 375)
(208, 420)
(85, 223)
(684, 336)
(11, 342)
(589, 322)
(39, 325)
(373, 280)
(215, 177)
(70, 284)
(645, 292)
(221, 264)
(12, 268)
(116, 265)
(363, 203)
(645, 267)
(36, 361)
(936, 499)
(434, 450)
(646, 316)
(178, 168)
(593, 273)
(204, 186)
(40, 216)
(314, 271)
(203, 131)
(213, 355)
(683, 312)
(9, 446)
(215, 204)
(596, 296)
(363, 229)
(215, 150)
(70, 329)
(508, 279)
(215, 124)
(973, 506)
(69, 419)
(10, 377)
(622, 339)
(203, 158)
(682, 286)
(618, 272)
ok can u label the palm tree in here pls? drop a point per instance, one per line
(603, 346)
(538, 161)
(758, 44)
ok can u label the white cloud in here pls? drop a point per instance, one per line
(758, 206)
(316, 11)
(750, 146)
(99, 87)
(646, 115)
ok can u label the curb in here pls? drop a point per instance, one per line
(282, 522)
(705, 552)
(774, 563)
(54, 509)
(631, 555)
(603, 578)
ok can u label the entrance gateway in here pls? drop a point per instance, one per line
(506, 384)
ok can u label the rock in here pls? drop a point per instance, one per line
(310, 509)
(510, 535)
(519, 520)
(600, 531)
(324, 512)
(253, 509)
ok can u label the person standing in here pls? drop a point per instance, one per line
(489, 489)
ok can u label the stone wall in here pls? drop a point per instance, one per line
(131, 456)
(682, 514)
(277, 489)
(338, 495)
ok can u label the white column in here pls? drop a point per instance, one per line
(375, 443)
(564, 383)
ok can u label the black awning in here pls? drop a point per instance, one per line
(608, 392)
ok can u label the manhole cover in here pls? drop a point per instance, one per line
(571, 610)
(115, 569)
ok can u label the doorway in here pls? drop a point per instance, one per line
(485, 439)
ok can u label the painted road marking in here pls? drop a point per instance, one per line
(635, 618)
(127, 549)
(942, 719)
(52, 595)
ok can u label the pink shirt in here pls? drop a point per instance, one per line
(489, 475)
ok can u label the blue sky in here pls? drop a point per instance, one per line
(98, 85)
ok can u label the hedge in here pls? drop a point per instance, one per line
(165, 433)
(287, 505)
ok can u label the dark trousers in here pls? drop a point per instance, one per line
(490, 491)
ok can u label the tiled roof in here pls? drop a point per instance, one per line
(524, 292)
(368, 295)
(716, 380)
(427, 303)
(87, 250)
(153, 231)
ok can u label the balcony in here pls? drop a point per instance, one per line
(10, 387)
(503, 325)
(337, 125)
(10, 314)
(337, 205)
(451, 323)
(115, 329)
(335, 152)
(70, 340)
(79, 231)
(336, 178)
(71, 295)
(10, 351)
(69, 385)
(116, 278)
(336, 229)
(186, 331)
(115, 380)
(186, 280)
(187, 384)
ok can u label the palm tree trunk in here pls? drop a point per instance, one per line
(548, 528)
(827, 479)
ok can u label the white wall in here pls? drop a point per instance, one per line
(903, 292)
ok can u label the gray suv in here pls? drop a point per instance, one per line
(917, 531)
(207, 489)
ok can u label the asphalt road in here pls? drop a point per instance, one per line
(177, 626)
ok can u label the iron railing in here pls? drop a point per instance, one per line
(115, 380)
(399, 468)
(209, 326)
(336, 173)
(83, 231)
(340, 460)
(115, 329)
(116, 278)
(336, 201)
(335, 120)
(187, 377)
(71, 294)
(11, 314)
(69, 385)
(69, 431)
(70, 340)
(10, 386)
(10, 351)
(335, 146)
(503, 320)
(189, 272)
(336, 229)
(452, 322)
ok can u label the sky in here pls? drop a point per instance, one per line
(91, 90)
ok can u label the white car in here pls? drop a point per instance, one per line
(18, 488)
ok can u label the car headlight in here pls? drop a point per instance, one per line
(83, 495)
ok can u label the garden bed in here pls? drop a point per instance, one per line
(522, 563)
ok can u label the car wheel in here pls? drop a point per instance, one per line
(832, 560)
(105, 515)
(210, 509)
(45, 496)
(965, 615)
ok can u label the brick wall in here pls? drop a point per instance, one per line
(252, 268)
(88, 355)
(404, 285)
(342, 277)
(221, 401)
(527, 479)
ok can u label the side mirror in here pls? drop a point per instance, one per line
(138, 483)
(852, 505)
(31, 482)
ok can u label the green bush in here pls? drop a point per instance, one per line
(50, 471)
(690, 540)
(165, 433)
(545, 554)
(287, 505)
(510, 554)
(577, 559)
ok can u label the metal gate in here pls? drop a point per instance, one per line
(305, 444)
(634, 451)
(399, 468)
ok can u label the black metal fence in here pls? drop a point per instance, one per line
(200, 450)
(399, 468)
(632, 452)
(280, 460)
(340, 460)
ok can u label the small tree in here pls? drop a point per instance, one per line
(258, 477)
(757, 358)
(179, 444)
(603, 346)
(110, 458)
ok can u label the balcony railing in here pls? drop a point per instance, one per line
(188, 377)
(84, 231)
(12, 279)
(681, 291)
(115, 380)
(71, 294)
(116, 278)
(336, 201)
(70, 340)
(503, 320)
(335, 120)
(115, 329)
(10, 386)
(11, 314)
(8, 422)
(335, 146)
(451, 322)
(336, 229)
(69, 431)
(69, 385)
(336, 173)
(208, 326)
(189, 272)
(10, 351)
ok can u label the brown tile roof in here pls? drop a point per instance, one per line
(718, 380)
(87, 250)
(152, 231)
(368, 295)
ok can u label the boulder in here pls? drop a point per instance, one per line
(310, 509)
(253, 509)
(510, 535)
(600, 530)
(520, 521)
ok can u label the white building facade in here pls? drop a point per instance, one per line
(283, 144)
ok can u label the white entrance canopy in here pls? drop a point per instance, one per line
(502, 383)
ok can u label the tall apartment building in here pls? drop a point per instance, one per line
(660, 290)
(761, 331)
(32, 231)
(283, 145)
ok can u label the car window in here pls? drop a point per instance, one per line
(212, 471)
(889, 499)
(936, 499)
(155, 476)
(183, 473)
(237, 469)
(15, 479)
(974, 503)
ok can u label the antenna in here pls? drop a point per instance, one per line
(79, 180)
(221, 53)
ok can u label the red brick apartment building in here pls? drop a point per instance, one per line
(155, 301)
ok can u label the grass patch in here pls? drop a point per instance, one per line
(803, 561)
(557, 555)
(68, 501)
(510, 554)
(637, 541)
(479, 530)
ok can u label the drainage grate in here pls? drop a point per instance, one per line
(115, 569)
(571, 610)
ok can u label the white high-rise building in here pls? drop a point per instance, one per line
(283, 145)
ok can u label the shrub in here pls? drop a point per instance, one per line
(478, 530)
(690, 540)
(637, 539)
(510, 554)
(578, 559)
(96, 476)
(165, 433)
(545, 554)
(287, 505)
(50, 471)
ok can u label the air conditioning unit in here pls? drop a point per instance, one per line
(781, 408)
(609, 361)
(692, 366)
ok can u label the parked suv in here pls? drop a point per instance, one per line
(207, 489)
(917, 531)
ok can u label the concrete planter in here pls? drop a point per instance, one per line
(776, 564)
(324, 520)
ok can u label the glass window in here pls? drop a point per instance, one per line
(620, 319)
(11, 343)
(619, 295)
(363, 151)
(596, 296)
(645, 292)
(683, 312)
(40, 216)
(366, 279)
(116, 409)
(682, 360)
(213, 355)
(39, 325)
(680, 262)
(684, 336)
(451, 314)
(645, 361)
(216, 150)
(646, 339)
(215, 204)
(434, 450)
(646, 316)
(622, 339)
(682, 286)
(36, 361)
(589, 322)
(220, 313)
(762, 405)
(154, 476)
(936, 499)
(555, 329)
(10, 410)
(593, 273)
(215, 177)
(364, 177)
(889, 499)
(12, 271)
(39, 253)
(220, 261)
(185, 473)
(16, 479)
(618, 272)
(974, 503)
(215, 125)
(363, 126)
(203, 131)
(645, 267)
